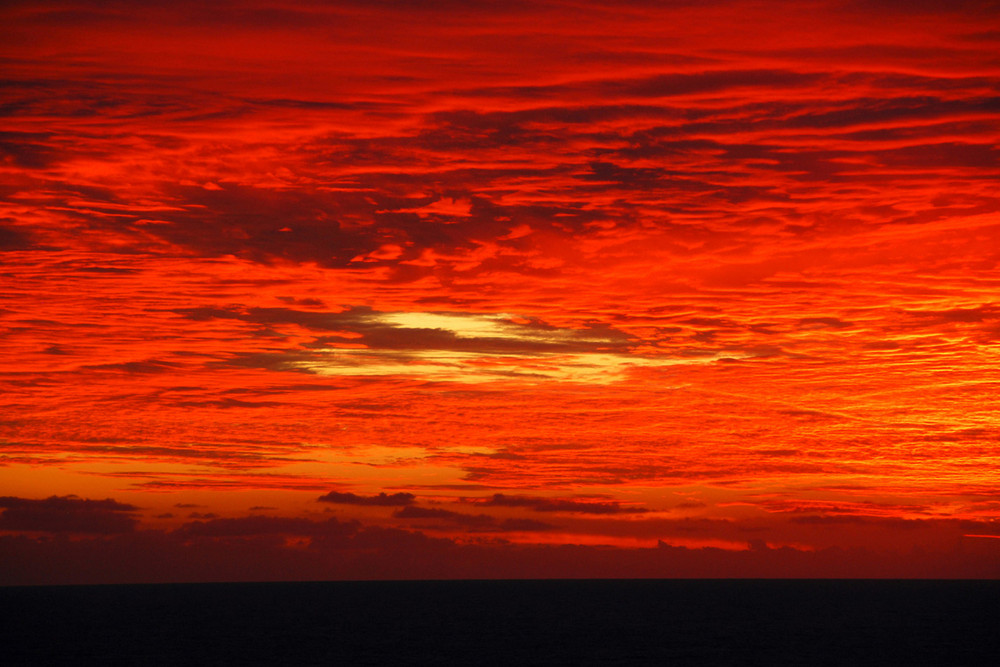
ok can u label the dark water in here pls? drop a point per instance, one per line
(633, 622)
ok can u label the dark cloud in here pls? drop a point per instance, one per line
(516, 525)
(70, 503)
(305, 301)
(893, 110)
(663, 85)
(114, 270)
(823, 322)
(148, 366)
(560, 505)
(389, 540)
(265, 225)
(14, 239)
(470, 520)
(323, 535)
(691, 504)
(946, 155)
(67, 514)
(381, 500)
(958, 315)
(633, 89)
(973, 9)
(342, 228)
(483, 522)
(266, 525)
(27, 150)
(388, 553)
(350, 318)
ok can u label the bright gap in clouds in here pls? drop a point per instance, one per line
(583, 355)
(465, 326)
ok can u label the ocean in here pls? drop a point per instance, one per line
(550, 622)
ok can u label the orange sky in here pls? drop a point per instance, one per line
(447, 289)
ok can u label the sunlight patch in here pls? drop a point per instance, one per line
(537, 352)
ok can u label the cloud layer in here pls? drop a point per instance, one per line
(692, 272)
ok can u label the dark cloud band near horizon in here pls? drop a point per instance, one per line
(698, 273)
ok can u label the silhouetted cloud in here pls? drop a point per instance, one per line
(397, 554)
(380, 500)
(540, 504)
(265, 525)
(14, 239)
(471, 521)
(67, 514)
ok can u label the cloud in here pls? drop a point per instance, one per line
(67, 514)
(28, 150)
(823, 322)
(472, 521)
(526, 525)
(134, 367)
(384, 553)
(414, 512)
(978, 314)
(14, 239)
(266, 525)
(443, 345)
(381, 500)
(540, 504)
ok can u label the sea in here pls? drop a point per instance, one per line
(503, 622)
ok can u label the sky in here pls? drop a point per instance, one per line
(382, 290)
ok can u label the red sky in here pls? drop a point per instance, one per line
(447, 289)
